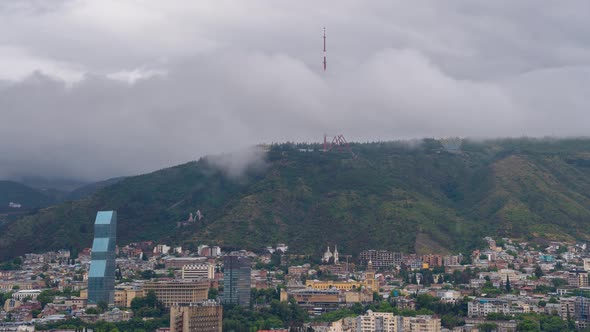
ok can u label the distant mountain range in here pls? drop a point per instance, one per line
(408, 196)
(32, 194)
(90, 188)
(22, 195)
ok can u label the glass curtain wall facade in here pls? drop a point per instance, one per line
(101, 278)
(236, 280)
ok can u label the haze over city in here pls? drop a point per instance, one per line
(96, 89)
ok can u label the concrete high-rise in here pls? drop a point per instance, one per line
(101, 278)
(204, 316)
(178, 291)
(236, 280)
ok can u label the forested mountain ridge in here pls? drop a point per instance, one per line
(410, 196)
(25, 196)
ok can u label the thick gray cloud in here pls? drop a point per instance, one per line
(93, 89)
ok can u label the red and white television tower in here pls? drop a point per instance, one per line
(325, 49)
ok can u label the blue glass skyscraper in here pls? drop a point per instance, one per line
(101, 278)
(236, 280)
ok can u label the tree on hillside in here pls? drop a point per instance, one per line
(213, 293)
(147, 306)
(45, 297)
(103, 306)
(528, 325)
(487, 327)
(6, 296)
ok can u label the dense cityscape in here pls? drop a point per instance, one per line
(294, 166)
(505, 286)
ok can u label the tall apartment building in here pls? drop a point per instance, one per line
(567, 307)
(198, 271)
(582, 312)
(433, 260)
(101, 278)
(205, 250)
(381, 258)
(378, 321)
(236, 280)
(196, 317)
(178, 291)
(578, 278)
(452, 260)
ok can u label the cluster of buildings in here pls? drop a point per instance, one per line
(509, 278)
(384, 259)
(381, 322)
(505, 277)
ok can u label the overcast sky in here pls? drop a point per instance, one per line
(95, 89)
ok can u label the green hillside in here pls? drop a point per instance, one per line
(394, 195)
(90, 188)
(28, 197)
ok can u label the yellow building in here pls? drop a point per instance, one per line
(8, 286)
(340, 285)
(284, 296)
(178, 291)
(124, 296)
(198, 317)
(358, 297)
(77, 302)
(369, 282)
(11, 304)
(422, 323)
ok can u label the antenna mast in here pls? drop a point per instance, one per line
(325, 49)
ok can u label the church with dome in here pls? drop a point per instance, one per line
(331, 257)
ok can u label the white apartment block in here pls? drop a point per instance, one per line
(198, 271)
(481, 307)
(378, 321)
(388, 322)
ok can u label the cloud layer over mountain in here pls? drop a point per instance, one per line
(94, 89)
